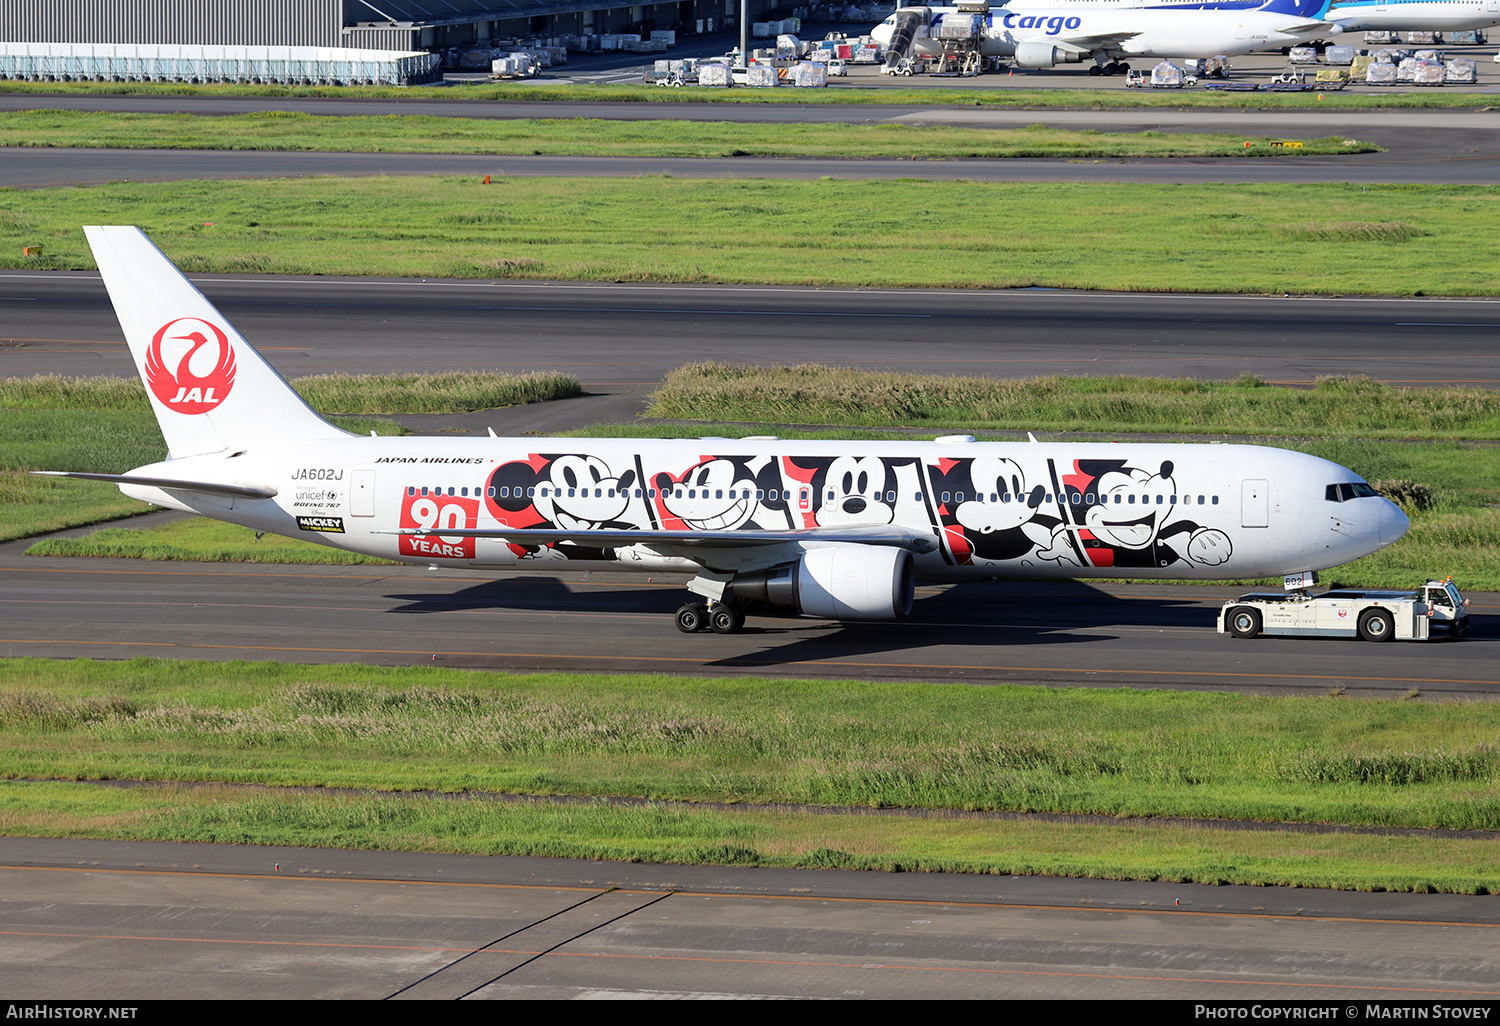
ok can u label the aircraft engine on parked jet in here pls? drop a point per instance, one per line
(843, 582)
(1044, 55)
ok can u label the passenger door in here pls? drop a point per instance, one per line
(1255, 508)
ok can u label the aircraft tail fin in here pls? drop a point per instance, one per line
(211, 392)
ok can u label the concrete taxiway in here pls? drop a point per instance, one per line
(135, 921)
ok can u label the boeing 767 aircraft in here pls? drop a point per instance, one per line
(838, 530)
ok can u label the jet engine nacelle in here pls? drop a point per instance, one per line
(841, 582)
(1044, 55)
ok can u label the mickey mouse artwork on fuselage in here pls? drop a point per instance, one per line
(987, 510)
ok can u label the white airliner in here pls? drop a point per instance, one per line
(1040, 35)
(1346, 15)
(1414, 15)
(839, 530)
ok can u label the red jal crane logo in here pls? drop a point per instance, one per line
(174, 382)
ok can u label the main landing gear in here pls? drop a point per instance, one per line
(1112, 68)
(719, 618)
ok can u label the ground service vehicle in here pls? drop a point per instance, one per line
(1350, 612)
(906, 66)
(841, 530)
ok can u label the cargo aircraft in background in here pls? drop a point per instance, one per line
(1345, 15)
(1414, 15)
(838, 530)
(1046, 34)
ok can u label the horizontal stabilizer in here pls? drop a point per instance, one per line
(892, 536)
(207, 487)
(1301, 27)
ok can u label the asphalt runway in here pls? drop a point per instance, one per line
(141, 921)
(620, 339)
(42, 167)
(1066, 634)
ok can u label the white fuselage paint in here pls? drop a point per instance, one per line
(1075, 509)
(1150, 33)
(1349, 15)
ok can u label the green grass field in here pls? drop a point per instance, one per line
(1257, 238)
(1348, 406)
(331, 394)
(411, 133)
(201, 540)
(838, 93)
(675, 834)
(1125, 753)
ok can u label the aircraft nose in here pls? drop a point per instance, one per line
(1393, 523)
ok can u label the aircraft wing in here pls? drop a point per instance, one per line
(1088, 44)
(873, 535)
(209, 487)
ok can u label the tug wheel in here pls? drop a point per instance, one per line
(1244, 622)
(1376, 625)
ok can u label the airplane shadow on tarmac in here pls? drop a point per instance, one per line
(987, 614)
(990, 614)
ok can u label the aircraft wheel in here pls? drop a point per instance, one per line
(1377, 625)
(1124, 69)
(692, 618)
(1244, 622)
(725, 619)
(1094, 70)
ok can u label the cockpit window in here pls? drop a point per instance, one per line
(1351, 490)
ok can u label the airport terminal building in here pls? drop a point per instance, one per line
(400, 25)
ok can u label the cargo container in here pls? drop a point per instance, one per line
(1460, 71)
(1429, 73)
(810, 75)
(1166, 75)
